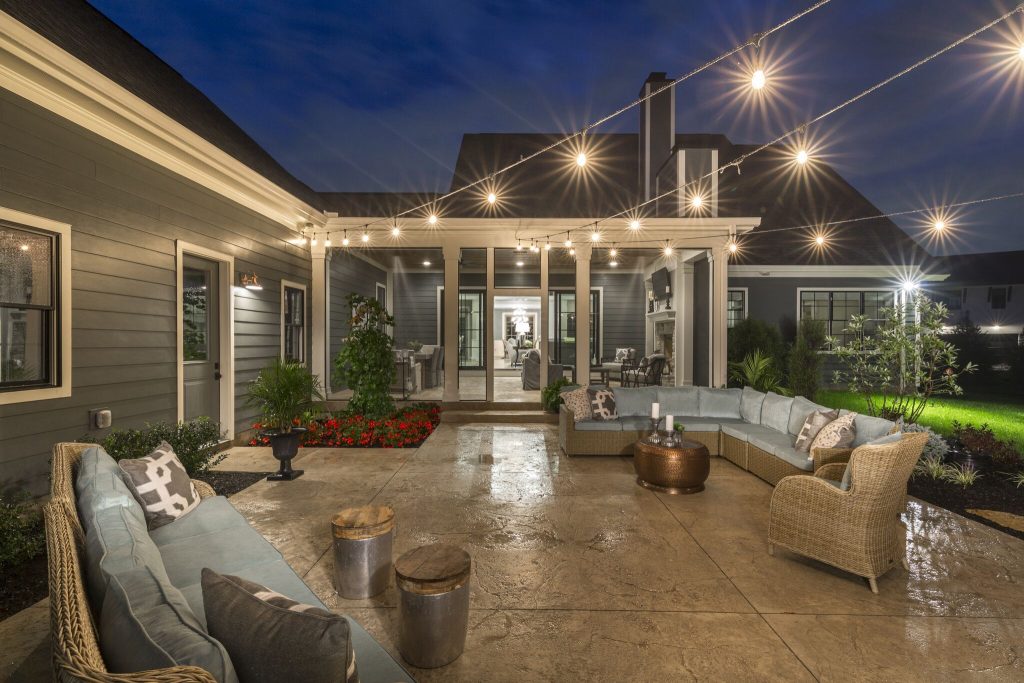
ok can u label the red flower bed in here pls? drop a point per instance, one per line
(407, 428)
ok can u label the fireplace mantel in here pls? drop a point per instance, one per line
(659, 316)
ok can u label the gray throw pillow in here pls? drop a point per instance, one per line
(161, 485)
(273, 638)
(812, 425)
(602, 404)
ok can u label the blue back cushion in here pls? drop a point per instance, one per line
(635, 401)
(98, 485)
(750, 405)
(683, 401)
(775, 412)
(719, 402)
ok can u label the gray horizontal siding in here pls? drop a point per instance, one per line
(625, 307)
(415, 298)
(126, 216)
(349, 275)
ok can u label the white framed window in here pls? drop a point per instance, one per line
(736, 306)
(35, 308)
(293, 322)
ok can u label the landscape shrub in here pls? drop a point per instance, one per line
(752, 335)
(366, 361)
(550, 396)
(757, 370)
(21, 531)
(805, 359)
(407, 427)
(981, 441)
(195, 442)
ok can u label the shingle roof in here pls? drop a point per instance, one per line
(992, 268)
(84, 32)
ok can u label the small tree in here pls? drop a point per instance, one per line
(366, 361)
(972, 345)
(756, 370)
(804, 359)
(902, 363)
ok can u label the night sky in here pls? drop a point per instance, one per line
(375, 96)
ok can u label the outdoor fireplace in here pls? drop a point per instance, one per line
(664, 337)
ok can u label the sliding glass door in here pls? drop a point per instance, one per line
(471, 330)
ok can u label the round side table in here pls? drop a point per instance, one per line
(681, 469)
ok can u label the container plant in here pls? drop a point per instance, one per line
(285, 393)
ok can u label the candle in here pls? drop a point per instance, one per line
(655, 407)
(668, 423)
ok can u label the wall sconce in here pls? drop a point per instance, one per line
(250, 281)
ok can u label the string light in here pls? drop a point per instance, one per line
(634, 224)
(581, 159)
(668, 249)
(696, 201)
(519, 246)
(595, 236)
(758, 80)
(327, 242)
(432, 219)
(534, 248)
(732, 247)
(939, 225)
(302, 241)
(313, 242)
(572, 252)
(547, 246)
(344, 239)
(819, 240)
(396, 231)
(366, 237)
(613, 251)
(568, 241)
(802, 157)
(491, 198)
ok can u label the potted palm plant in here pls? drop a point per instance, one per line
(284, 393)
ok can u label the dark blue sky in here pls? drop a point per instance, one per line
(374, 96)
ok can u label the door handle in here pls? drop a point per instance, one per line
(217, 376)
(216, 372)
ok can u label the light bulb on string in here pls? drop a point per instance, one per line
(668, 249)
(327, 242)
(572, 252)
(802, 157)
(519, 246)
(758, 79)
(432, 219)
(595, 236)
(696, 201)
(396, 231)
(547, 246)
(365, 237)
(313, 242)
(733, 247)
(581, 159)
(344, 239)
(568, 241)
(634, 224)
(491, 198)
(939, 225)
(613, 251)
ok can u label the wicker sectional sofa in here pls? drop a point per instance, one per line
(753, 430)
(89, 550)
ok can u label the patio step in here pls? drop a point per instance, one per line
(493, 415)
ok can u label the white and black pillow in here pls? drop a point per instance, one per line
(161, 485)
(621, 355)
(602, 404)
(270, 637)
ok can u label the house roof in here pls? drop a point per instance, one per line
(81, 30)
(551, 187)
(992, 268)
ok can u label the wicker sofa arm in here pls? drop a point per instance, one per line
(803, 494)
(833, 471)
(203, 489)
(827, 456)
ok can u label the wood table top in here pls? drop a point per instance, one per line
(432, 569)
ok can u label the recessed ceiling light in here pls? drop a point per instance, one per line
(520, 264)
(426, 263)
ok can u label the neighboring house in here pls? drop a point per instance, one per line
(987, 290)
(154, 257)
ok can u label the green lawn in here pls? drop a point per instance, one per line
(1004, 417)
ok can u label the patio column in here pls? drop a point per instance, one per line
(583, 253)
(319, 363)
(451, 324)
(683, 295)
(719, 300)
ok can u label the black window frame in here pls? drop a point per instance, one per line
(731, 319)
(52, 322)
(287, 321)
(845, 299)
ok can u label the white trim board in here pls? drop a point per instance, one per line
(894, 273)
(63, 231)
(227, 331)
(43, 73)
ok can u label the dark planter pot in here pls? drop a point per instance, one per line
(285, 446)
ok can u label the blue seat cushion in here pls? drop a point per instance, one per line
(720, 402)
(781, 446)
(635, 423)
(116, 542)
(750, 405)
(706, 424)
(213, 514)
(744, 431)
(598, 426)
(145, 623)
(679, 401)
(634, 401)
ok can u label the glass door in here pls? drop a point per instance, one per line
(563, 316)
(471, 330)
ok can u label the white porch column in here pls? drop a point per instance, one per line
(542, 321)
(683, 294)
(719, 330)
(319, 364)
(451, 324)
(488, 358)
(583, 253)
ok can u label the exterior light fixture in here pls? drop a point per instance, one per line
(432, 219)
(939, 225)
(668, 249)
(365, 237)
(344, 240)
(581, 159)
(250, 281)
(758, 80)
(491, 197)
(802, 157)
(634, 224)
(696, 201)
(396, 231)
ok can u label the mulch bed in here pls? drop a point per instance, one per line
(992, 491)
(230, 483)
(23, 586)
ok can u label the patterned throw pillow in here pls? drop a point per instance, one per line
(578, 401)
(621, 355)
(270, 637)
(161, 485)
(602, 404)
(812, 425)
(838, 433)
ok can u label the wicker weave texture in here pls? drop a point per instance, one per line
(769, 467)
(734, 450)
(856, 530)
(74, 642)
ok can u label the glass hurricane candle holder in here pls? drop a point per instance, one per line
(654, 437)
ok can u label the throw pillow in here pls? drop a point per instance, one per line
(838, 433)
(881, 441)
(812, 425)
(602, 404)
(161, 485)
(578, 401)
(270, 637)
(621, 355)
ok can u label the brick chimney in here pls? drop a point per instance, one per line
(657, 130)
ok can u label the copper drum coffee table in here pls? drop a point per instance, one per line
(681, 469)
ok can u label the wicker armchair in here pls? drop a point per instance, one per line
(73, 638)
(858, 530)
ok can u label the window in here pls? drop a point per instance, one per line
(836, 308)
(736, 307)
(293, 322)
(998, 296)
(34, 308)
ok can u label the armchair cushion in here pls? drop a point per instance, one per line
(635, 401)
(775, 412)
(719, 402)
(679, 400)
(750, 405)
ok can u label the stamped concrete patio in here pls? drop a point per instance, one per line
(579, 574)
